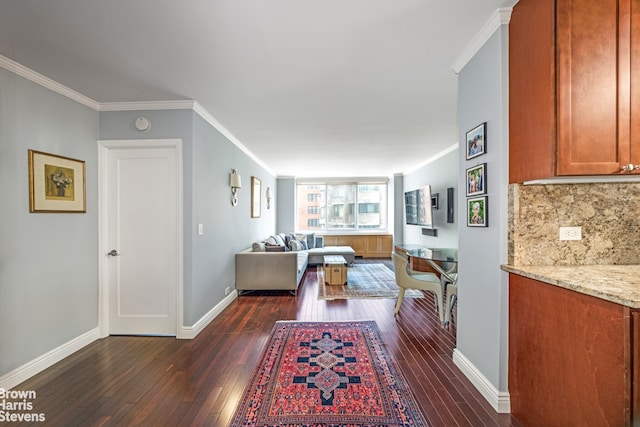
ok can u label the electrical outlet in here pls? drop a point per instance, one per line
(570, 233)
(227, 290)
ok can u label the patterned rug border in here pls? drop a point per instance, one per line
(333, 292)
(406, 410)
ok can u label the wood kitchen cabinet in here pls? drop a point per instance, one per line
(574, 88)
(573, 358)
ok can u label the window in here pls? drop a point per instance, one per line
(341, 206)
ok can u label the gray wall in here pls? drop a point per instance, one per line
(285, 199)
(398, 208)
(48, 261)
(227, 229)
(440, 174)
(483, 287)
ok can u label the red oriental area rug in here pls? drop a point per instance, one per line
(327, 374)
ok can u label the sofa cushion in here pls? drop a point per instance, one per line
(302, 262)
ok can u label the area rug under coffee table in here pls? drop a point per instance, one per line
(364, 281)
(327, 374)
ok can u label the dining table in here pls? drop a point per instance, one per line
(443, 260)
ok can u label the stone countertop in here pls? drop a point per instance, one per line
(615, 283)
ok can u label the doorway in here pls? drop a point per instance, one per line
(140, 265)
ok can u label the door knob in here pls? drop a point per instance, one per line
(113, 252)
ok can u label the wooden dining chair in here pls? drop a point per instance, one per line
(411, 279)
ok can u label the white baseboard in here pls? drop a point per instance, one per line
(190, 332)
(39, 364)
(499, 400)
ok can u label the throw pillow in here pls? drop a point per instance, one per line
(279, 239)
(311, 240)
(302, 239)
(274, 248)
(296, 245)
(289, 238)
(271, 240)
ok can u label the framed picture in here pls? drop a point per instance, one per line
(256, 185)
(56, 183)
(476, 141)
(478, 212)
(477, 180)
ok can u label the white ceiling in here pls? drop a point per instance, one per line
(311, 88)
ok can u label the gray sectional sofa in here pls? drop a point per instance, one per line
(269, 266)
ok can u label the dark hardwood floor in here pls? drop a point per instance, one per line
(153, 381)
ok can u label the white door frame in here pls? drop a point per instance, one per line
(103, 292)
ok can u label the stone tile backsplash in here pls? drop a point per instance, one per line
(609, 214)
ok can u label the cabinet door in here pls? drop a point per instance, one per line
(635, 85)
(379, 246)
(532, 78)
(386, 245)
(593, 86)
(566, 357)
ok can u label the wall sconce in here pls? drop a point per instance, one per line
(235, 183)
(269, 197)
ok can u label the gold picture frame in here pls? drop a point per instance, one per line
(256, 188)
(57, 184)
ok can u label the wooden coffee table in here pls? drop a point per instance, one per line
(335, 270)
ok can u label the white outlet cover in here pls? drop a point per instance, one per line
(570, 233)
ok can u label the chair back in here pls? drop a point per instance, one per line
(422, 281)
(400, 261)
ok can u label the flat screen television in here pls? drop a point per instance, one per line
(417, 207)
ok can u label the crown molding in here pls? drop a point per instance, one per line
(186, 104)
(199, 109)
(46, 82)
(431, 159)
(501, 17)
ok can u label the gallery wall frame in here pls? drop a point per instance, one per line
(476, 179)
(256, 197)
(57, 184)
(476, 141)
(478, 211)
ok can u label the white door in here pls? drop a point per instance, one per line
(141, 265)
